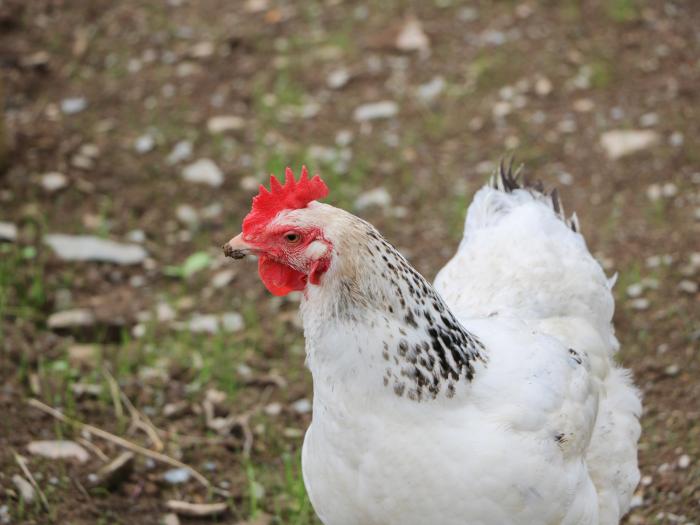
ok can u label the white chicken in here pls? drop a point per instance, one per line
(491, 397)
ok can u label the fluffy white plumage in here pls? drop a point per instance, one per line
(495, 400)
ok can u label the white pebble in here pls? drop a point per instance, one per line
(181, 151)
(635, 290)
(376, 110)
(337, 78)
(73, 105)
(302, 406)
(672, 370)
(640, 303)
(203, 171)
(53, 181)
(144, 144)
(232, 322)
(688, 286)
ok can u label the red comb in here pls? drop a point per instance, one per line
(293, 195)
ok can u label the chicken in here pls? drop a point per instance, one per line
(490, 397)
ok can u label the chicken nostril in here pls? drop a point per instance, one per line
(229, 251)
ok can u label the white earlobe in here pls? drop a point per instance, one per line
(316, 250)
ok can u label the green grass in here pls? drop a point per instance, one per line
(623, 11)
(22, 287)
(602, 73)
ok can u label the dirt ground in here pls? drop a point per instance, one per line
(107, 105)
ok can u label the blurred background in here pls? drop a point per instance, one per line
(134, 134)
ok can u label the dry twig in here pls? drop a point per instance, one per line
(114, 392)
(94, 448)
(125, 443)
(139, 419)
(22, 462)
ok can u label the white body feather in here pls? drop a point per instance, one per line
(540, 434)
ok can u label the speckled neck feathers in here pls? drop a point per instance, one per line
(393, 319)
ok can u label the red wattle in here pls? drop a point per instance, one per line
(317, 270)
(278, 278)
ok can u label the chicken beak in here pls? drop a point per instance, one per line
(237, 248)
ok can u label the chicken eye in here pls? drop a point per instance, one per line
(292, 237)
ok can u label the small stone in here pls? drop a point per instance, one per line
(646, 481)
(640, 303)
(26, 490)
(53, 181)
(175, 409)
(86, 390)
(249, 183)
(232, 322)
(187, 69)
(90, 150)
(565, 178)
(302, 406)
(257, 490)
(676, 139)
(684, 461)
(202, 49)
(669, 189)
(411, 37)
(187, 215)
(199, 323)
(224, 123)
(59, 449)
(177, 476)
(338, 78)
(256, 6)
(91, 248)
(5, 517)
(376, 110)
(73, 105)
(292, 433)
(501, 109)
(635, 290)
(543, 86)
(621, 143)
(36, 60)
(165, 313)
(82, 162)
(648, 120)
(144, 143)
(688, 286)
(71, 319)
(343, 138)
(137, 236)
(212, 211)
(244, 371)
(8, 232)
(273, 409)
(181, 151)
(654, 192)
(170, 519)
(468, 14)
(83, 355)
(672, 370)
(583, 105)
(429, 91)
(203, 171)
(377, 197)
(222, 278)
